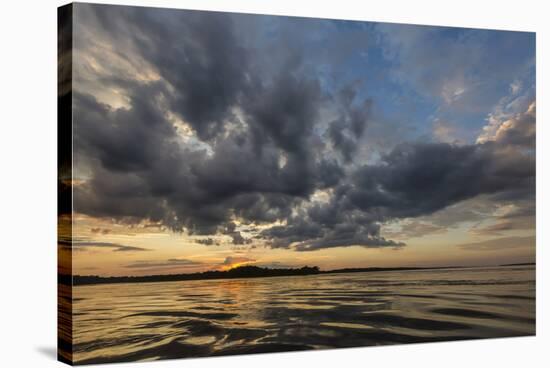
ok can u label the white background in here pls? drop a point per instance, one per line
(28, 169)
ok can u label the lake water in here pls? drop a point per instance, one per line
(149, 321)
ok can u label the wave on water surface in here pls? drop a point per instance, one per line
(133, 322)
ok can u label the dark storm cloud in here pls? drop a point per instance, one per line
(258, 151)
(197, 53)
(345, 131)
(258, 172)
(235, 235)
(411, 181)
(129, 140)
(286, 112)
(297, 229)
(417, 179)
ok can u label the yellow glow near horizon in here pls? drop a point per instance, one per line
(165, 252)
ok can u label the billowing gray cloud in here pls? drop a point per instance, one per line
(346, 131)
(413, 180)
(136, 150)
(416, 179)
(220, 135)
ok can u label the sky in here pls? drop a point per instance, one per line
(205, 141)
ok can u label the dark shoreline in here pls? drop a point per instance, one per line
(244, 272)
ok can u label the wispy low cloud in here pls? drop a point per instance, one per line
(504, 225)
(81, 245)
(234, 260)
(520, 216)
(169, 263)
(501, 243)
(411, 228)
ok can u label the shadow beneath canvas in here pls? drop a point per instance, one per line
(48, 351)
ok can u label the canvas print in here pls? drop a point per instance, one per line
(236, 183)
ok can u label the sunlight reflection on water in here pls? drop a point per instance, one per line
(130, 322)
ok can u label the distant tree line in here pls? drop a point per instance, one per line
(238, 272)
